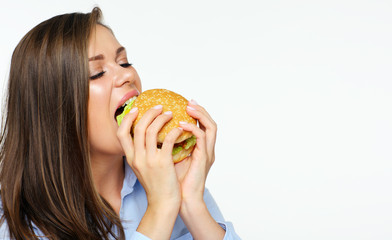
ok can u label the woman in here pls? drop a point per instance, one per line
(63, 170)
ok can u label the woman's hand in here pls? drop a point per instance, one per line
(154, 169)
(192, 172)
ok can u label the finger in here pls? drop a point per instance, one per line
(206, 123)
(154, 128)
(124, 133)
(202, 115)
(202, 148)
(193, 104)
(195, 130)
(141, 127)
(170, 139)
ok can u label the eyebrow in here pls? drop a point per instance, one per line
(119, 50)
(101, 57)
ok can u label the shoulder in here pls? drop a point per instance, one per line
(4, 230)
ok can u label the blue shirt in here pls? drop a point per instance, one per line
(134, 205)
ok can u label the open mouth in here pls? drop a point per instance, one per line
(125, 108)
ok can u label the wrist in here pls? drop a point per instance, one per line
(165, 206)
(199, 221)
(192, 206)
(192, 197)
(159, 219)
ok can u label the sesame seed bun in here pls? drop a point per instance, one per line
(170, 101)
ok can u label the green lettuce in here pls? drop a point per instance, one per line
(127, 108)
(176, 150)
(190, 142)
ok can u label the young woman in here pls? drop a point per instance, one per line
(69, 172)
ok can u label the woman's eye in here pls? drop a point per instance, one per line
(96, 76)
(125, 65)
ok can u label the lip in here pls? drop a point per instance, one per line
(127, 96)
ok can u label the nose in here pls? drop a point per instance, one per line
(123, 76)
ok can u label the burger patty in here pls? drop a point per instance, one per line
(180, 144)
(186, 144)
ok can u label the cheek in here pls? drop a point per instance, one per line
(102, 129)
(99, 99)
(98, 108)
(97, 93)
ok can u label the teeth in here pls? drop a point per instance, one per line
(129, 101)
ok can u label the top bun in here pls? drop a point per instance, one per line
(170, 101)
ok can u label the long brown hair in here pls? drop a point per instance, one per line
(46, 180)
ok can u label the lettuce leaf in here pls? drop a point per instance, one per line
(176, 150)
(190, 142)
(127, 108)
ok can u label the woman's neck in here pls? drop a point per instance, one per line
(108, 176)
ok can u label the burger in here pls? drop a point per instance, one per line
(170, 101)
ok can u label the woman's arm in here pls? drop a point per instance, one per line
(199, 221)
(192, 174)
(154, 169)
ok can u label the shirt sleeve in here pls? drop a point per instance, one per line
(138, 236)
(217, 215)
(4, 234)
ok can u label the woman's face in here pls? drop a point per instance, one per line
(112, 82)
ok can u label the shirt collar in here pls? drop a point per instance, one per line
(129, 180)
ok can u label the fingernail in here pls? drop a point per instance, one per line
(180, 129)
(158, 107)
(193, 102)
(133, 110)
(168, 113)
(183, 123)
(190, 108)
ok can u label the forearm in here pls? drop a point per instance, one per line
(158, 222)
(199, 221)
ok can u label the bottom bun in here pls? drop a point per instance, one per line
(178, 157)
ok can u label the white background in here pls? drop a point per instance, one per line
(301, 92)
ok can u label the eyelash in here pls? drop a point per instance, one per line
(96, 76)
(125, 65)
